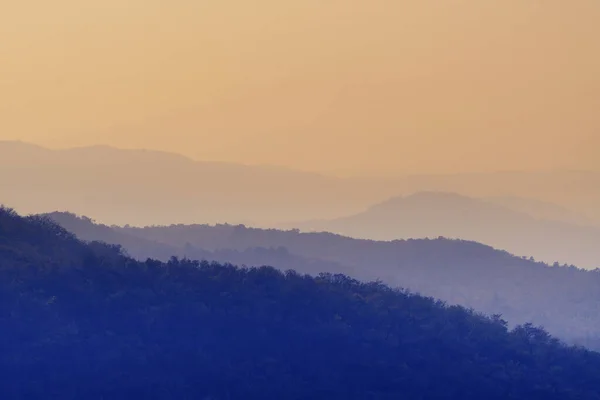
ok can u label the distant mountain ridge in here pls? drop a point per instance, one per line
(143, 187)
(142, 248)
(433, 214)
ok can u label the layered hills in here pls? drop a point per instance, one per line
(83, 320)
(564, 299)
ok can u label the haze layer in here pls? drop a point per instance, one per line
(377, 87)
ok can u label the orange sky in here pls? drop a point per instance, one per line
(341, 86)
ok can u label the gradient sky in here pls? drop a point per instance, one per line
(340, 86)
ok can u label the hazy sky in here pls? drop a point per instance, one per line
(369, 86)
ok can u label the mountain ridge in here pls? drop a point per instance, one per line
(564, 298)
(108, 184)
(432, 214)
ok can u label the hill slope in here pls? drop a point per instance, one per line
(433, 214)
(563, 299)
(85, 322)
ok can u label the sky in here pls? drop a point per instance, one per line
(377, 87)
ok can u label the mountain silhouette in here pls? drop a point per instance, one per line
(433, 214)
(143, 187)
(142, 248)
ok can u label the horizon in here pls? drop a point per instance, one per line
(331, 174)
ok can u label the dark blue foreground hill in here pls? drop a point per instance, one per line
(82, 321)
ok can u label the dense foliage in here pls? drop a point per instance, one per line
(563, 299)
(83, 321)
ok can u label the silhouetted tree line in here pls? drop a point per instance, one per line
(85, 321)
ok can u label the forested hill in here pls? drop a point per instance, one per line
(83, 321)
(563, 299)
